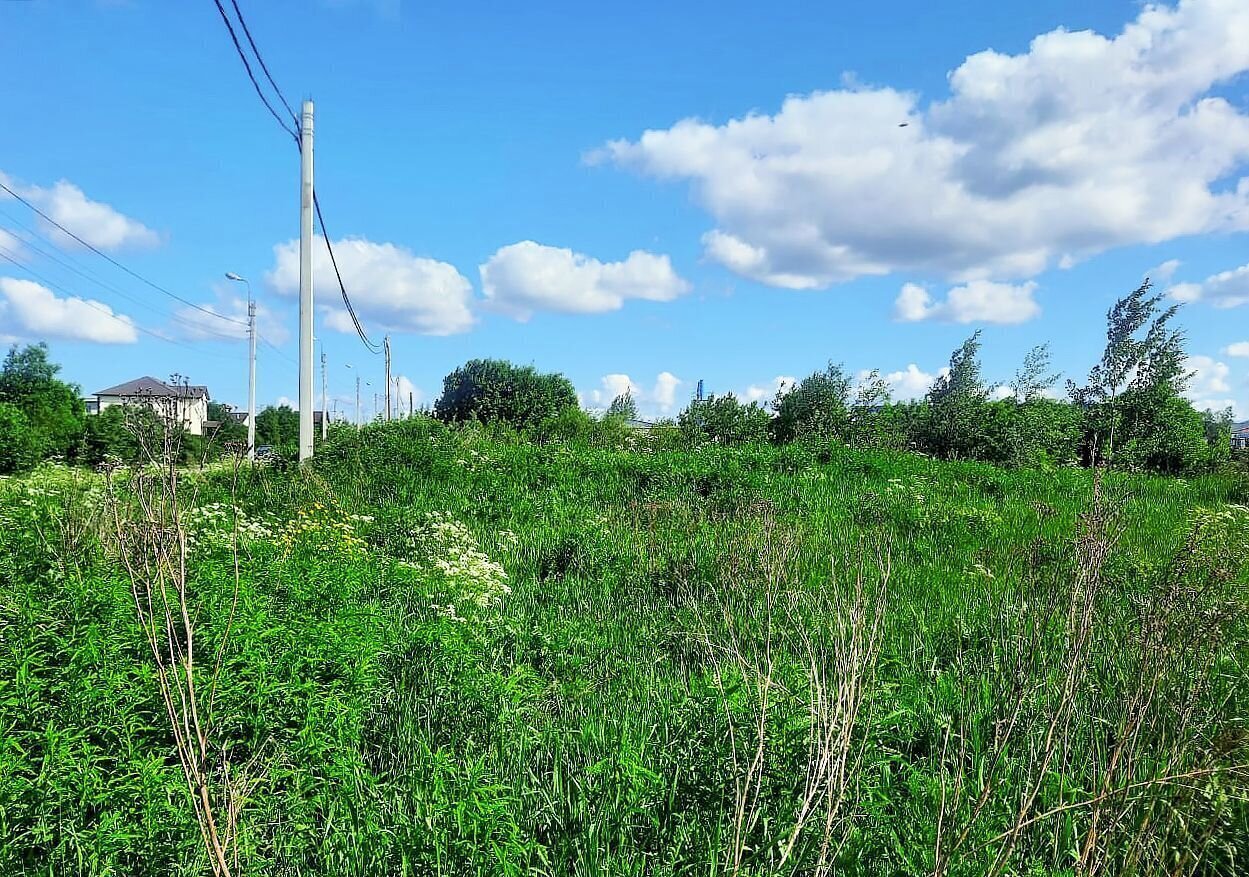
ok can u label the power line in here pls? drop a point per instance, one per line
(108, 312)
(342, 288)
(113, 261)
(355, 321)
(263, 66)
(84, 273)
(248, 67)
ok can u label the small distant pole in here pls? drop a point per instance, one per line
(358, 424)
(409, 403)
(251, 377)
(324, 411)
(699, 397)
(387, 342)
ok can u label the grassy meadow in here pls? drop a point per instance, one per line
(456, 651)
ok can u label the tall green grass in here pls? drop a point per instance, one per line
(710, 661)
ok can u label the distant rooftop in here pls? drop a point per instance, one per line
(152, 388)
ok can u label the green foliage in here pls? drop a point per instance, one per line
(723, 420)
(19, 446)
(53, 409)
(493, 390)
(278, 427)
(956, 406)
(818, 407)
(455, 651)
(228, 430)
(623, 406)
(1133, 392)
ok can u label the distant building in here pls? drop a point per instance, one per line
(187, 404)
(1240, 436)
(642, 425)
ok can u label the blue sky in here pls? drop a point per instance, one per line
(633, 194)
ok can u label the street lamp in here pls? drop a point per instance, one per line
(350, 366)
(251, 365)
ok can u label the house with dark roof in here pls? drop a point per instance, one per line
(185, 404)
(1240, 436)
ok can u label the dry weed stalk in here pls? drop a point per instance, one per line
(152, 546)
(835, 637)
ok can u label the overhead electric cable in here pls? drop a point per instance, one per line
(106, 311)
(342, 287)
(113, 261)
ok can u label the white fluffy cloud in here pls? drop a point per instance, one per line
(525, 277)
(764, 393)
(231, 322)
(95, 222)
(660, 399)
(978, 301)
(390, 287)
(30, 310)
(911, 382)
(1239, 348)
(1081, 144)
(1227, 289)
(1210, 386)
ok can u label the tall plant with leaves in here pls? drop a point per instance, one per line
(1132, 395)
(956, 405)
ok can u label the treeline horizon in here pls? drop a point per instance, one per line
(1129, 413)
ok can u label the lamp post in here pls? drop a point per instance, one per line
(251, 366)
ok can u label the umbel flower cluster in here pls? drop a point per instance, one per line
(444, 548)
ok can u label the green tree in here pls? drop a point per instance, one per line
(53, 409)
(724, 420)
(1030, 429)
(869, 426)
(228, 430)
(956, 406)
(123, 432)
(623, 407)
(816, 408)
(494, 390)
(277, 426)
(19, 448)
(1135, 416)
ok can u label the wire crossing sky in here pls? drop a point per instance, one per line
(639, 198)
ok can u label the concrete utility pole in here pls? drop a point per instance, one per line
(358, 402)
(324, 412)
(305, 282)
(251, 365)
(387, 342)
(409, 404)
(251, 378)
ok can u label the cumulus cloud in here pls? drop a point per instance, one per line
(95, 222)
(1227, 289)
(978, 301)
(910, 383)
(1239, 348)
(30, 310)
(659, 399)
(764, 393)
(525, 277)
(230, 322)
(1210, 386)
(390, 287)
(1164, 272)
(1081, 144)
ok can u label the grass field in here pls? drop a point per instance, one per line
(447, 652)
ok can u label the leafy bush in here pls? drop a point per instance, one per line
(723, 420)
(19, 446)
(53, 409)
(493, 390)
